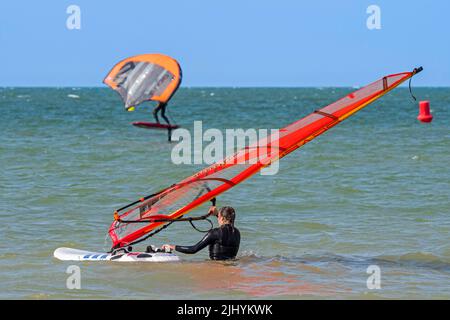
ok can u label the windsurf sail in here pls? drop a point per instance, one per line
(141, 218)
(145, 77)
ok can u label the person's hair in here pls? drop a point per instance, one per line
(228, 214)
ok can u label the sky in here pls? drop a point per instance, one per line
(226, 42)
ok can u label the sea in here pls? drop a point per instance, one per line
(361, 212)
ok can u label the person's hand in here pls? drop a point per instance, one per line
(168, 247)
(212, 210)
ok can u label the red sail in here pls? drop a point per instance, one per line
(193, 191)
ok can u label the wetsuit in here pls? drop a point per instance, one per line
(223, 243)
(161, 106)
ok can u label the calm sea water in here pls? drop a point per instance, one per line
(372, 191)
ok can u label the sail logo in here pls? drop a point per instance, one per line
(249, 147)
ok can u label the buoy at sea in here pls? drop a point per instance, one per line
(424, 112)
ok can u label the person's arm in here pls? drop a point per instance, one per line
(208, 239)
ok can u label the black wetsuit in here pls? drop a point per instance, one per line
(223, 243)
(161, 107)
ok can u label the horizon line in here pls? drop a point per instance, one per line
(205, 87)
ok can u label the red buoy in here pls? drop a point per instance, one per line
(424, 112)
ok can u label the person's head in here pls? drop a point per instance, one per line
(226, 216)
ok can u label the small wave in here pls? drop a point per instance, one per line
(8, 255)
(348, 190)
(73, 96)
(418, 259)
(38, 296)
(250, 256)
(316, 226)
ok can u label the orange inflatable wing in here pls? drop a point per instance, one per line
(145, 77)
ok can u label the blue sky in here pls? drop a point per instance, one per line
(226, 43)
